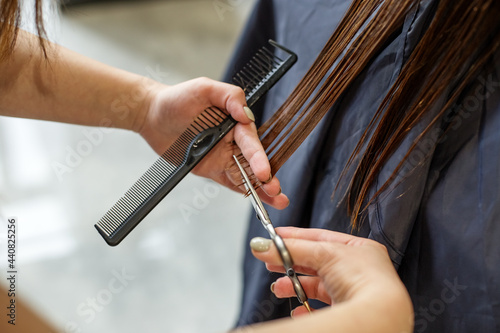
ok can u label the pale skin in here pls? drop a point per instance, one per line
(354, 275)
(68, 87)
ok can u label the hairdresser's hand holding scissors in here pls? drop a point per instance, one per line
(173, 108)
(355, 275)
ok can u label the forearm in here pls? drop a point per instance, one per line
(390, 314)
(70, 88)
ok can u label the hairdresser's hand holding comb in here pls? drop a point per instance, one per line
(68, 87)
(171, 110)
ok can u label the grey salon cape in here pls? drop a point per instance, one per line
(440, 224)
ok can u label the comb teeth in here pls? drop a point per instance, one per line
(263, 71)
(256, 78)
(161, 171)
(260, 67)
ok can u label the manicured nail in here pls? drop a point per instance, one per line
(260, 244)
(249, 113)
(272, 287)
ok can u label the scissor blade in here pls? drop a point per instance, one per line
(256, 202)
(278, 241)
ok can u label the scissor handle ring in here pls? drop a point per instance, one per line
(288, 264)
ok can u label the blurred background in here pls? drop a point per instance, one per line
(179, 271)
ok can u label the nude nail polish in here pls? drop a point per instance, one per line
(260, 244)
(249, 113)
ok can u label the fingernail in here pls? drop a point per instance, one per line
(279, 192)
(249, 113)
(291, 313)
(260, 244)
(272, 287)
(269, 179)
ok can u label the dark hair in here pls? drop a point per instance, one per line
(462, 37)
(10, 19)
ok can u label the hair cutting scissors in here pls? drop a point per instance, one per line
(285, 255)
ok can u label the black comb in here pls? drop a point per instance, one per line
(256, 78)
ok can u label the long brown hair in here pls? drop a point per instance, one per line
(461, 38)
(10, 19)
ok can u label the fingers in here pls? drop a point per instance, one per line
(248, 141)
(279, 202)
(299, 311)
(308, 254)
(298, 269)
(232, 99)
(320, 235)
(226, 96)
(245, 136)
(234, 181)
(283, 288)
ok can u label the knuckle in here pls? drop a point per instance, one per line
(204, 85)
(237, 92)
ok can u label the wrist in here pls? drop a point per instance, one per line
(148, 89)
